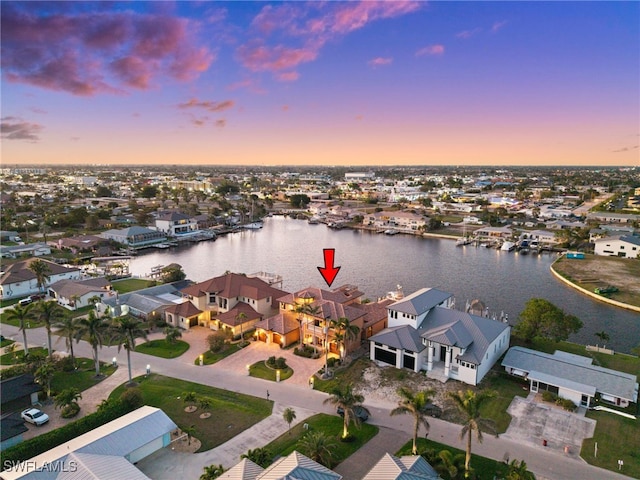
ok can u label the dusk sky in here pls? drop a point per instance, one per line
(321, 83)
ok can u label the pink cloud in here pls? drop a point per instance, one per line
(312, 24)
(465, 34)
(380, 62)
(207, 105)
(431, 50)
(498, 25)
(14, 128)
(88, 53)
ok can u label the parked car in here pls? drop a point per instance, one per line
(35, 416)
(361, 412)
(433, 410)
(25, 301)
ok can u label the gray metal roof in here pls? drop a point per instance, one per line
(88, 466)
(450, 325)
(296, 466)
(420, 301)
(563, 368)
(390, 467)
(562, 382)
(403, 337)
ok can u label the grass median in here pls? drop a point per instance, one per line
(163, 349)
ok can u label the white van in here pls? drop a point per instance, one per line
(25, 301)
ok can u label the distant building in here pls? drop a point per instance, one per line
(175, 224)
(75, 294)
(355, 176)
(625, 246)
(33, 249)
(18, 281)
(135, 237)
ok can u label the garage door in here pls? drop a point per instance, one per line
(409, 362)
(385, 356)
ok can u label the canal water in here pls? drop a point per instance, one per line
(377, 263)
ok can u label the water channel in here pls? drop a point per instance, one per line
(377, 263)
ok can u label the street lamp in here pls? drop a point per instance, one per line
(148, 369)
(201, 359)
(278, 375)
(114, 361)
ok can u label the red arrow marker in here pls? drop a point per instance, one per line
(329, 272)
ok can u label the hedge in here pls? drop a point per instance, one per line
(40, 444)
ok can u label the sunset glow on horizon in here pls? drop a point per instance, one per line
(321, 83)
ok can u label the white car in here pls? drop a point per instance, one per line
(35, 416)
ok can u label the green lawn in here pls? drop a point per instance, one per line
(18, 357)
(232, 412)
(8, 303)
(5, 342)
(82, 378)
(485, 468)
(209, 357)
(161, 348)
(343, 376)
(507, 387)
(29, 323)
(332, 426)
(260, 370)
(618, 438)
(132, 284)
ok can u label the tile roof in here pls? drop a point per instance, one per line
(69, 288)
(184, 309)
(19, 271)
(421, 301)
(231, 317)
(564, 367)
(235, 285)
(281, 323)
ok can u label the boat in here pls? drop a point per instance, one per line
(313, 221)
(253, 226)
(508, 246)
(391, 231)
(463, 241)
(162, 245)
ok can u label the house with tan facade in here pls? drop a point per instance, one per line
(395, 219)
(232, 302)
(16, 280)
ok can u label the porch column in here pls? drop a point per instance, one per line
(447, 361)
(430, 351)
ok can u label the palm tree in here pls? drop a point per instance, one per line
(125, 332)
(68, 327)
(259, 456)
(312, 311)
(212, 472)
(518, 471)
(204, 403)
(95, 331)
(449, 464)
(67, 397)
(347, 333)
(191, 432)
(44, 374)
(289, 415)
(603, 336)
(190, 397)
(469, 404)
(172, 334)
(241, 317)
(21, 315)
(346, 400)
(319, 447)
(49, 313)
(415, 404)
(41, 271)
(300, 310)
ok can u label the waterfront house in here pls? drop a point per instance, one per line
(395, 219)
(293, 466)
(74, 294)
(315, 308)
(146, 303)
(571, 376)
(233, 302)
(135, 237)
(32, 249)
(426, 333)
(175, 224)
(625, 246)
(544, 238)
(407, 467)
(16, 280)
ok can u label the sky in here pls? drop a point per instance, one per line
(320, 83)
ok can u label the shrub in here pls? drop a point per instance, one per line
(549, 396)
(271, 361)
(70, 410)
(305, 351)
(281, 363)
(15, 371)
(66, 364)
(568, 405)
(216, 341)
(332, 362)
(132, 398)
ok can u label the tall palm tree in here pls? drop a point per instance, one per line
(241, 317)
(41, 270)
(312, 311)
(319, 447)
(289, 415)
(416, 404)
(346, 400)
(125, 332)
(49, 313)
(67, 327)
(95, 331)
(347, 333)
(469, 404)
(21, 315)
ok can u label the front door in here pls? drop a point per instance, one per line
(443, 353)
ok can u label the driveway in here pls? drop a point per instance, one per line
(535, 422)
